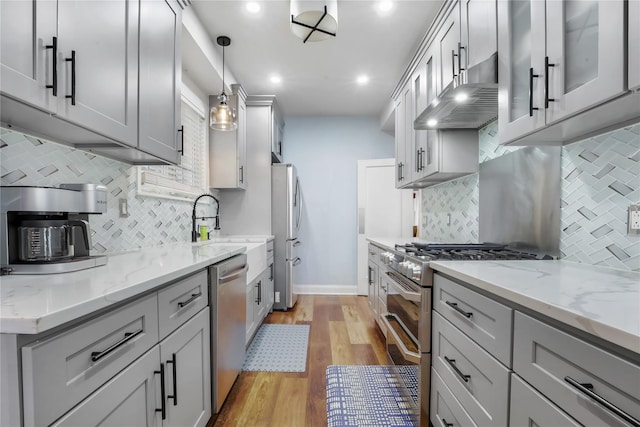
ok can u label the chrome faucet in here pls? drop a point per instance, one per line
(194, 232)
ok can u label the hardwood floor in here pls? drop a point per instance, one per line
(343, 332)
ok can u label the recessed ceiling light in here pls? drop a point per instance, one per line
(253, 6)
(362, 79)
(275, 79)
(432, 122)
(461, 97)
(385, 5)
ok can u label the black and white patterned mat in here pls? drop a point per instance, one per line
(278, 348)
(372, 396)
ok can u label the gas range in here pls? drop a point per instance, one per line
(411, 260)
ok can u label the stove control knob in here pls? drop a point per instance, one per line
(417, 272)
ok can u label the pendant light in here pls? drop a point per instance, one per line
(314, 20)
(222, 117)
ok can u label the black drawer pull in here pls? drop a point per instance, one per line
(452, 363)
(446, 424)
(175, 379)
(587, 389)
(190, 300)
(128, 336)
(454, 305)
(531, 77)
(54, 70)
(163, 406)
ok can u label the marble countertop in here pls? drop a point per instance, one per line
(600, 301)
(30, 304)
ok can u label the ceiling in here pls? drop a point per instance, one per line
(319, 78)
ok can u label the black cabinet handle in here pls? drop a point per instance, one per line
(181, 150)
(547, 65)
(54, 70)
(271, 271)
(460, 49)
(401, 171)
(531, 77)
(128, 336)
(587, 389)
(280, 148)
(453, 63)
(454, 305)
(259, 287)
(452, 363)
(163, 406)
(242, 174)
(190, 300)
(398, 172)
(421, 159)
(73, 77)
(446, 424)
(174, 396)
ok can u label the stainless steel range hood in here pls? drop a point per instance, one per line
(479, 87)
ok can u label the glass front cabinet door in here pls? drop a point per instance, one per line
(556, 59)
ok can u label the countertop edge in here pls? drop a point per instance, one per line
(42, 324)
(616, 336)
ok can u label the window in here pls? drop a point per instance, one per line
(190, 178)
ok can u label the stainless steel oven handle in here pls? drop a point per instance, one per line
(397, 281)
(408, 355)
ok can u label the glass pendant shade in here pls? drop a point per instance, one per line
(313, 20)
(222, 117)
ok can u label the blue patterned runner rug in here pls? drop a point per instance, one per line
(278, 348)
(372, 396)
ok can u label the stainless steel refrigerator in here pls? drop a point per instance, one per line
(286, 215)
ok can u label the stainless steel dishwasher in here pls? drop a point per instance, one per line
(227, 291)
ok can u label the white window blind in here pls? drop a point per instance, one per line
(190, 178)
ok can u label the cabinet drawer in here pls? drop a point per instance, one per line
(445, 410)
(549, 359)
(374, 253)
(181, 301)
(486, 321)
(479, 381)
(530, 408)
(61, 371)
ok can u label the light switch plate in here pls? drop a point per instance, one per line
(633, 220)
(123, 208)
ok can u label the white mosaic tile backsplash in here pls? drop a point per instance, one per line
(25, 160)
(600, 179)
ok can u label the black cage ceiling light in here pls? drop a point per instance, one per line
(313, 20)
(222, 117)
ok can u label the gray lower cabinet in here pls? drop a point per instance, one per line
(530, 408)
(445, 410)
(129, 399)
(573, 373)
(257, 302)
(184, 357)
(146, 363)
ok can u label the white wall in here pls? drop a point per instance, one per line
(325, 151)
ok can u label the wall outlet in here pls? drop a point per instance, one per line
(123, 208)
(277, 296)
(633, 221)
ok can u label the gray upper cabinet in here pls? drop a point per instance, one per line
(401, 135)
(28, 33)
(558, 59)
(98, 67)
(478, 33)
(101, 76)
(634, 44)
(228, 149)
(278, 134)
(447, 44)
(160, 76)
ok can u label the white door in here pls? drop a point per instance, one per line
(383, 210)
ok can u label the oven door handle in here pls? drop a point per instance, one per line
(391, 333)
(398, 284)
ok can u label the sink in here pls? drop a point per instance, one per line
(256, 258)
